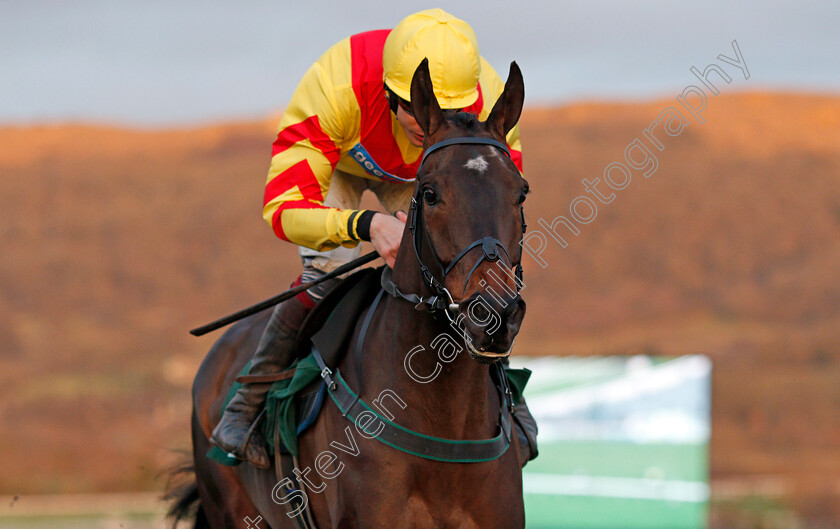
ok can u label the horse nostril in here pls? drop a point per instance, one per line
(514, 312)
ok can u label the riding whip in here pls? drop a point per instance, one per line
(236, 316)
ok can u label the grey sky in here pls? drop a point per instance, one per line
(156, 62)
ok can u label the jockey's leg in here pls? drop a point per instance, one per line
(275, 352)
(237, 432)
(526, 431)
(525, 426)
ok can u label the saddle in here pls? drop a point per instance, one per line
(293, 404)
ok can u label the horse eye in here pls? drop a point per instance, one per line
(430, 196)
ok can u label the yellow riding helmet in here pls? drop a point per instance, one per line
(450, 45)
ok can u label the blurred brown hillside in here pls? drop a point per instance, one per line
(116, 242)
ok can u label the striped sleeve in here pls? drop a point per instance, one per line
(305, 153)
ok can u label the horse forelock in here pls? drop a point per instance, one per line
(466, 120)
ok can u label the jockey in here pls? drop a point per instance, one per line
(348, 128)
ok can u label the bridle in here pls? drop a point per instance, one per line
(352, 405)
(492, 249)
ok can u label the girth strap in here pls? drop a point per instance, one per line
(284, 468)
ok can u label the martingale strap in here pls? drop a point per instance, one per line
(392, 434)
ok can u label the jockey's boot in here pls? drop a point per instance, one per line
(526, 428)
(526, 432)
(237, 431)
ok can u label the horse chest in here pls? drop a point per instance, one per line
(383, 488)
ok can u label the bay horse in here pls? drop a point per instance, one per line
(468, 200)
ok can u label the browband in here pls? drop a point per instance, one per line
(455, 141)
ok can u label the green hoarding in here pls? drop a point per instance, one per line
(623, 442)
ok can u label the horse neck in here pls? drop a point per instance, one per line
(460, 402)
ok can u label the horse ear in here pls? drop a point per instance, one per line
(424, 104)
(507, 109)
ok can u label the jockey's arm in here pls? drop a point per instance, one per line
(310, 140)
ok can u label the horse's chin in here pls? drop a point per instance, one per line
(486, 357)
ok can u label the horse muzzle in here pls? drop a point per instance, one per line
(490, 325)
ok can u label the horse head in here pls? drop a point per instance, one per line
(466, 219)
